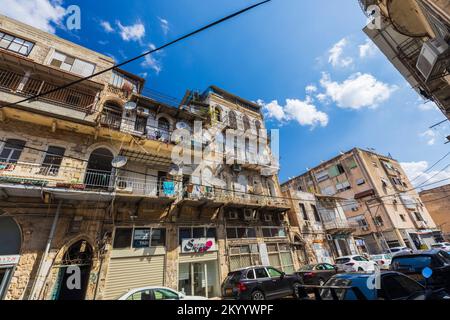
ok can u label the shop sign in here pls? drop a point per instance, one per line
(7, 260)
(199, 245)
(141, 238)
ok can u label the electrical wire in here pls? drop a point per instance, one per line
(435, 164)
(190, 34)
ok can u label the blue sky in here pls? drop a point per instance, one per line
(308, 61)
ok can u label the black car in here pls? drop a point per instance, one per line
(387, 285)
(413, 264)
(317, 274)
(260, 283)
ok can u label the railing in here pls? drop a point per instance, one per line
(111, 120)
(89, 180)
(69, 98)
(339, 224)
(196, 192)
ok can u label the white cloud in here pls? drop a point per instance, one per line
(106, 26)
(164, 25)
(431, 136)
(367, 49)
(311, 89)
(304, 112)
(150, 61)
(416, 172)
(42, 14)
(358, 91)
(133, 32)
(428, 106)
(335, 55)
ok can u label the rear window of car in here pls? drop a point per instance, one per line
(234, 276)
(413, 264)
(342, 260)
(307, 267)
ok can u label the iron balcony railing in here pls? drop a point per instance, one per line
(61, 177)
(28, 86)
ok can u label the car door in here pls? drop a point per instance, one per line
(329, 271)
(146, 294)
(264, 282)
(279, 283)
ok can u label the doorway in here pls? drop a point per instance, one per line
(99, 169)
(73, 273)
(10, 246)
(199, 279)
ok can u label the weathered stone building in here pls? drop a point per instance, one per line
(89, 185)
(437, 201)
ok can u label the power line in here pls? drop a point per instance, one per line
(141, 55)
(442, 170)
(435, 164)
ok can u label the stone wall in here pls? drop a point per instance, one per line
(437, 201)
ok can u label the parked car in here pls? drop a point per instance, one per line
(157, 293)
(260, 283)
(442, 246)
(355, 263)
(413, 264)
(399, 250)
(317, 274)
(392, 286)
(383, 260)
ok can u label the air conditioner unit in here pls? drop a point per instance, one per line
(430, 55)
(233, 215)
(329, 237)
(124, 187)
(268, 218)
(236, 167)
(249, 214)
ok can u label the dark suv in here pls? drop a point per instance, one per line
(260, 283)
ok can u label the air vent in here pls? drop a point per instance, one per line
(432, 51)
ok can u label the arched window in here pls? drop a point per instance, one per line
(10, 245)
(246, 123)
(99, 169)
(232, 120)
(258, 129)
(217, 115)
(111, 116)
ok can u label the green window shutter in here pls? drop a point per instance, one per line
(333, 171)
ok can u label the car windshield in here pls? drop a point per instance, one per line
(377, 257)
(413, 264)
(308, 267)
(342, 260)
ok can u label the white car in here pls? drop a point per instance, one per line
(356, 263)
(383, 260)
(441, 245)
(397, 250)
(157, 293)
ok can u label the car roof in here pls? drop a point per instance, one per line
(418, 253)
(247, 268)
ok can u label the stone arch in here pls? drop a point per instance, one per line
(10, 236)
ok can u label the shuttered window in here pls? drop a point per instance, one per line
(72, 64)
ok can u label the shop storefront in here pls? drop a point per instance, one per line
(10, 244)
(137, 260)
(198, 268)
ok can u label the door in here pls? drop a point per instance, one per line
(279, 285)
(4, 279)
(199, 285)
(264, 282)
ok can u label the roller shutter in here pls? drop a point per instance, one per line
(133, 272)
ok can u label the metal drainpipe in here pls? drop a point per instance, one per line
(45, 255)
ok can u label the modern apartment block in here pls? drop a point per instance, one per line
(415, 36)
(379, 198)
(88, 180)
(437, 201)
(320, 230)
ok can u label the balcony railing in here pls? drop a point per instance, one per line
(339, 224)
(68, 98)
(60, 177)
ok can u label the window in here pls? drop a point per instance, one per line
(12, 150)
(273, 273)
(418, 216)
(72, 64)
(304, 213)
(360, 182)
(217, 114)
(251, 274)
(15, 44)
(246, 123)
(336, 170)
(322, 176)
(328, 266)
(351, 163)
(316, 213)
(402, 216)
(120, 80)
(52, 160)
(141, 295)
(232, 119)
(244, 256)
(274, 232)
(341, 187)
(398, 286)
(378, 221)
(126, 238)
(261, 273)
(164, 294)
(237, 233)
(140, 124)
(196, 233)
(280, 257)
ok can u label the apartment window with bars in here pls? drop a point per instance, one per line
(244, 256)
(12, 150)
(241, 233)
(140, 124)
(52, 160)
(316, 213)
(280, 257)
(15, 44)
(72, 64)
(269, 232)
(304, 213)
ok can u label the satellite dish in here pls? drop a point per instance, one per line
(182, 125)
(174, 169)
(130, 105)
(119, 162)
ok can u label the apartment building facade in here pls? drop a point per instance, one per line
(437, 201)
(319, 227)
(89, 185)
(378, 197)
(415, 36)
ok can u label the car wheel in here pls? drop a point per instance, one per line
(321, 282)
(258, 295)
(296, 289)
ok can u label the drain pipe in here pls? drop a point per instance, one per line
(39, 281)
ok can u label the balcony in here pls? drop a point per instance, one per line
(74, 179)
(340, 226)
(70, 98)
